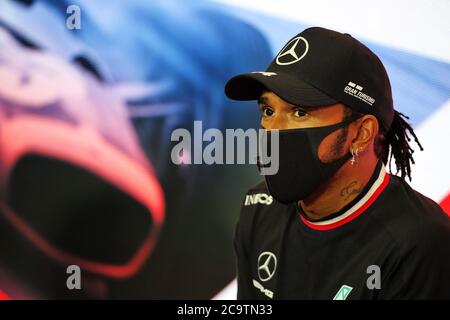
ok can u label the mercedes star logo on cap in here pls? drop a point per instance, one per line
(293, 51)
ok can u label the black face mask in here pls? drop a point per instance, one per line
(300, 171)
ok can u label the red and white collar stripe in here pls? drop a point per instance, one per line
(365, 202)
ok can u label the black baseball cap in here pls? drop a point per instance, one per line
(320, 67)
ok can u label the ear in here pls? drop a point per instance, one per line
(365, 130)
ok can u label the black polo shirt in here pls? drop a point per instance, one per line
(391, 242)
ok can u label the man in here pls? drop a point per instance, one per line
(338, 226)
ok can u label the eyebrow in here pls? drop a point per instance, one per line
(262, 100)
(265, 100)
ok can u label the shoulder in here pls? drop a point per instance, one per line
(260, 209)
(419, 231)
(413, 220)
(258, 200)
(258, 195)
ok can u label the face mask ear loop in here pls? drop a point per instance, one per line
(327, 130)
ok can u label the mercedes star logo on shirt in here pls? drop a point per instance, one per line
(267, 264)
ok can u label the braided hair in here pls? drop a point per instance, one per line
(396, 144)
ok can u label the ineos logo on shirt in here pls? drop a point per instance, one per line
(261, 198)
(267, 265)
(293, 51)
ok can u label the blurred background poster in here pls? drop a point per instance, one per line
(87, 112)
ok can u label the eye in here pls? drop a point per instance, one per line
(300, 113)
(266, 111)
